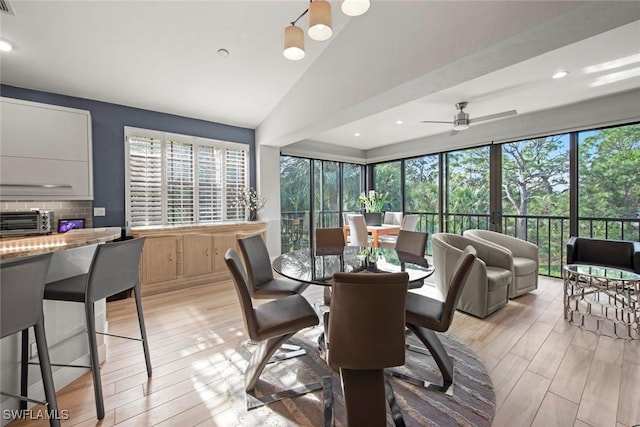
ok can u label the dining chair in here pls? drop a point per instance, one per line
(21, 291)
(412, 242)
(373, 307)
(269, 325)
(263, 285)
(329, 241)
(425, 316)
(330, 238)
(408, 223)
(392, 218)
(113, 269)
(358, 234)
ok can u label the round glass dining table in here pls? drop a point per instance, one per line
(317, 266)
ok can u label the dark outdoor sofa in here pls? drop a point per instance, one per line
(620, 254)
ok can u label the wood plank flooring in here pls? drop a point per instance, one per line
(545, 371)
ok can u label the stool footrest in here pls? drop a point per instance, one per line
(23, 398)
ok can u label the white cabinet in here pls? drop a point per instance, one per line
(45, 151)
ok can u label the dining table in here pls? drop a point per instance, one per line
(375, 231)
(317, 266)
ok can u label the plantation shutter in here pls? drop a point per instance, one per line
(145, 181)
(210, 201)
(179, 182)
(235, 162)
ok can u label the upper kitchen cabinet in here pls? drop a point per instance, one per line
(45, 152)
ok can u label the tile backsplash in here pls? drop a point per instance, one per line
(69, 209)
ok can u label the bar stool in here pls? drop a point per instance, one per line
(21, 291)
(114, 269)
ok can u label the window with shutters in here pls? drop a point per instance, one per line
(177, 179)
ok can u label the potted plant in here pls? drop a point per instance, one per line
(372, 203)
(250, 201)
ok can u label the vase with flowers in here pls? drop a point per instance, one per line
(250, 201)
(373, 202)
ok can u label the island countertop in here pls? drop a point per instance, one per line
(28, 246)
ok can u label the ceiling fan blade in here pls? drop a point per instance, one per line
(436, 121)
(493, 116)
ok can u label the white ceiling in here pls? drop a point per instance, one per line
(403, 60)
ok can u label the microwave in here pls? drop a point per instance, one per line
(26, 223)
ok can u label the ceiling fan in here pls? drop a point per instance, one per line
(461, 120)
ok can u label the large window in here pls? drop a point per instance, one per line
(467, 189)
(535, 196)
(387, 181)
(315, 193)
(178, 179)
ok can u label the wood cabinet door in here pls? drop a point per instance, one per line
(222, 242)
(159, 259)
(197, 254)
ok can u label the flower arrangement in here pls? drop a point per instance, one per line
(248, 198)
(373, 201)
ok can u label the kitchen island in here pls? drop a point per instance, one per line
(64, 321)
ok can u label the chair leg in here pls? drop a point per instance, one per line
(143, 329)
(95, 362)
(259, 359)
(47, 376)
(24, 368)
(438, 352)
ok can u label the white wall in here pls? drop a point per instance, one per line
(268, 183)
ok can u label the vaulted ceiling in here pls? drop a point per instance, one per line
(402, 61)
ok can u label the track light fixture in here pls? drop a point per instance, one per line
(320, 28)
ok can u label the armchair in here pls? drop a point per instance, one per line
(525, 259)
(488, 284)
(621, 254)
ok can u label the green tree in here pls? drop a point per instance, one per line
(535, 177)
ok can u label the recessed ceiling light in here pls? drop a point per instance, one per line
(5, 46)
(356, 134)
(560, 74)
(399, 122)
(223, 52)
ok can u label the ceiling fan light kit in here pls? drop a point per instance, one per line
(461, 120)
(320, 25)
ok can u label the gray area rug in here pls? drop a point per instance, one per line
(472, 402)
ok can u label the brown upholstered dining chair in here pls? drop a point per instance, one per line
(408, 223)
(269, 325)
(260, 275)
(425, 316)
(329, 241)
(412, 242)
(329, 238)
(373, 307)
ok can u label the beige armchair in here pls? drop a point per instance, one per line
(487, 288)
(525, 259)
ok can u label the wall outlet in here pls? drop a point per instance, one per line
(99, 211)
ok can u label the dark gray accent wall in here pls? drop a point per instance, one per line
(108, 122)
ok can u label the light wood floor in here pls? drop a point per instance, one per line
(545, 371)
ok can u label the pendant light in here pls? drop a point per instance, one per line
(320, 20)
(354, 7)
(293, 43)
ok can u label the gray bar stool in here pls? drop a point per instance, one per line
(114, 269)
(21, 291)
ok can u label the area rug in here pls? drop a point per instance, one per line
(472, 402)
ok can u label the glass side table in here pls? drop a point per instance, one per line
(602, 299)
